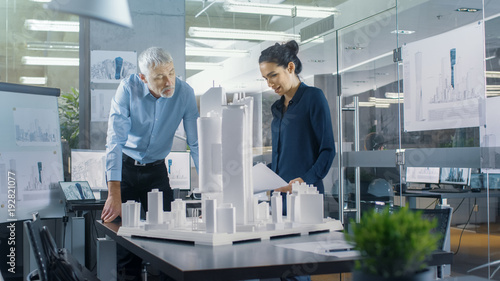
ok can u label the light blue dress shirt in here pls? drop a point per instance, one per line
(143, 127)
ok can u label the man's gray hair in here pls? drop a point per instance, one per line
(153, 57)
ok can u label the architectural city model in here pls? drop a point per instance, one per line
(230, 212)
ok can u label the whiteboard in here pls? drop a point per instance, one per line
(30, 153)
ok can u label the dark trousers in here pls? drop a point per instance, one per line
(136, 182)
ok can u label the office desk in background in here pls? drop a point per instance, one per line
(412, 195)
(247, 260)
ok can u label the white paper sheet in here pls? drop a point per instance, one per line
(265, 179)
(335, 246)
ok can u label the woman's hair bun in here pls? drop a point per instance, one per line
(293, 46)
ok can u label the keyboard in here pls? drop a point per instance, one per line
(448, 190)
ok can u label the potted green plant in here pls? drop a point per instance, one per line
(394, 245)
(69, 117)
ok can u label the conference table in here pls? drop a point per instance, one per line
(273, 258)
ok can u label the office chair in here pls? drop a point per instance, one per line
(33, 230)
(443, 217)
(53, 263)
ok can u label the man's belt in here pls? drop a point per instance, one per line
(129, 160)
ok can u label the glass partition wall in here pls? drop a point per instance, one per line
(412, 88)
(38, 46)
(417, 91)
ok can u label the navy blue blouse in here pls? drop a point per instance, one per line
(302, 137)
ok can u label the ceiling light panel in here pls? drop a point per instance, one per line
(202, 65)
(50, 61)
(52, 46)
(278, 9)
(212, 52)
(33, 80)
(241, 34)
(47, 25)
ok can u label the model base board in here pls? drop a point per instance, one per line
(243, 233)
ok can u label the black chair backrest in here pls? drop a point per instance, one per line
(33, 229)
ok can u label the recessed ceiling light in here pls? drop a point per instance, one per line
(468, 10)
(316, 60)
(354, 48)
(401, 31)
(278, 9)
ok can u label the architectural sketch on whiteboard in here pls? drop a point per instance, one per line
(444, 82)
(100, 104)
(30, 151)
(90, 166)
(36, 127)
(37, 176)
(40, 173)
(111, 66)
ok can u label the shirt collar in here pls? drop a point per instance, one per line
(296, 98)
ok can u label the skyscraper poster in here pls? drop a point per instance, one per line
(444, 82)
(111, 66)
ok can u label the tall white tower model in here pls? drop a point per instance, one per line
(277, 207)
(234, 153)
(209, 141)
(155, 207)
(247, 146)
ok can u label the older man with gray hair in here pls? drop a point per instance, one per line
(145, 113)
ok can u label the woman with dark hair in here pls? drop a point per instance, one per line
(302, 135)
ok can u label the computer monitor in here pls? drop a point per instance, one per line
(179, 169)
(455, 176)
(491, 180)
(422, 174)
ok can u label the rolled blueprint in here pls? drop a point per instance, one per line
(209, 141)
